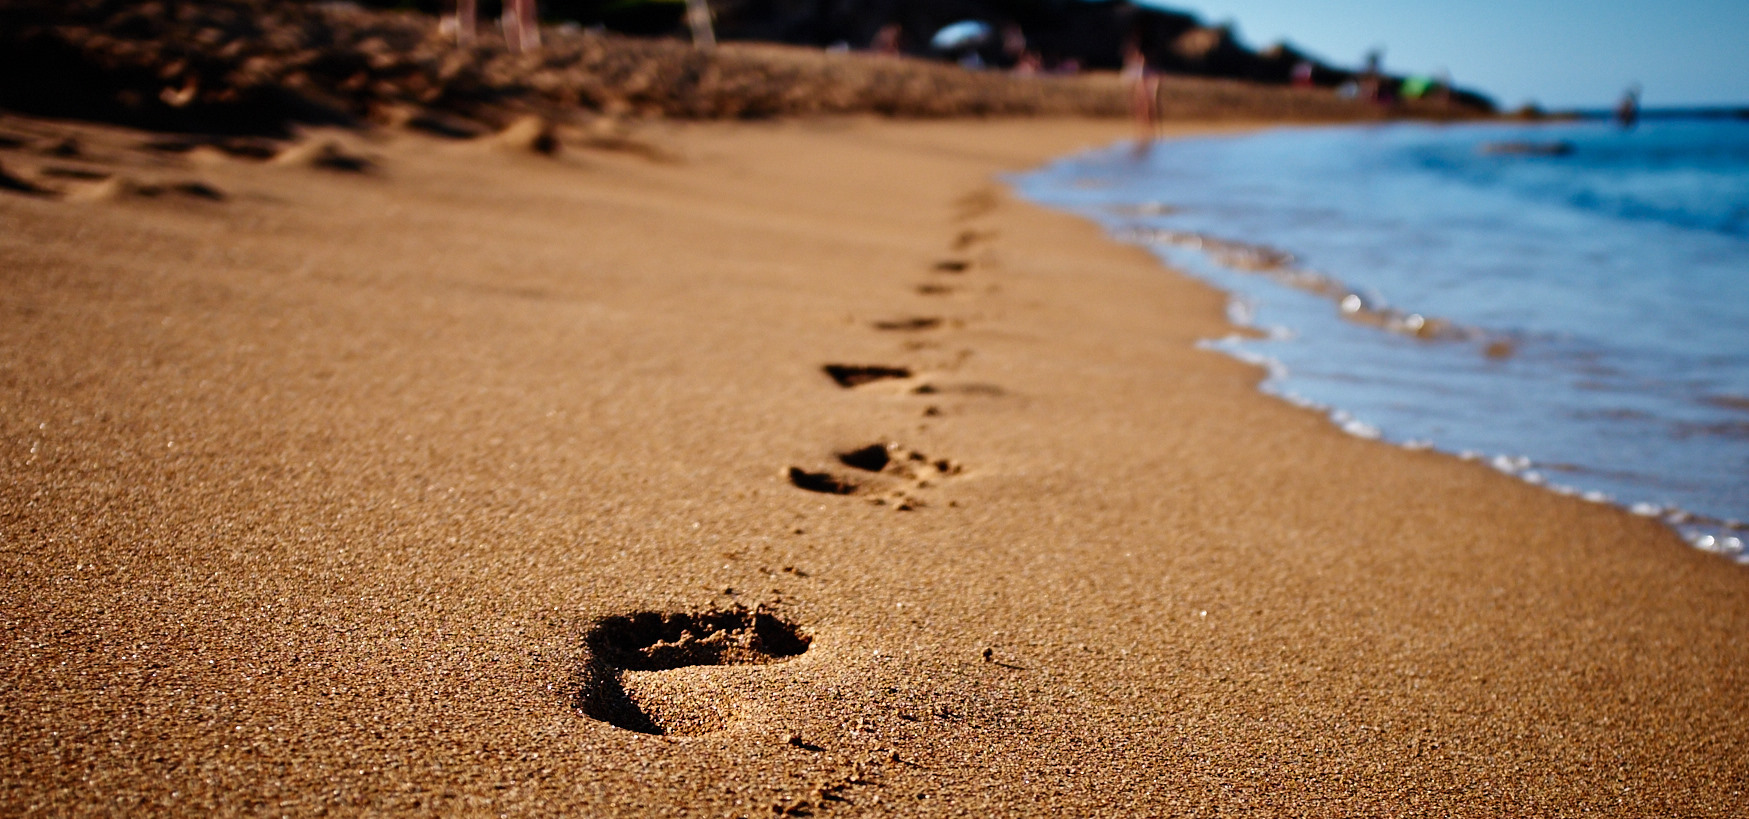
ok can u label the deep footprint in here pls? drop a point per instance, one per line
(897, 461)
(871, 458)
(18, 184)
(856, 375)
(895, 474)
(650, 641)
(823, 482)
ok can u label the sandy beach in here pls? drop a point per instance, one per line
(747, 469)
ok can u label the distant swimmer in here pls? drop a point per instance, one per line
(1627, 112)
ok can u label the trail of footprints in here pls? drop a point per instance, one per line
(635, 675)
(641, 671)
(649, 672)
(885, 472)
(55, 165)
(53, 162)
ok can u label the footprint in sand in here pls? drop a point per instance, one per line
(325, 155)
(65, 148)
(529, 134)
(535, 135)
(824, 483)
(851, 376)
(968, 239)
(885, 473)
(61, 180)
(961, 264)
(855, 375)
(974, 204)
(122, 188)
(441, 124)
(322, 154)
(256, 148)
(634, 678)
(14, 183)
(913, 324)
(78, 174)
(983, 390)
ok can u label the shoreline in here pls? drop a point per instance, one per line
(329, 491)
(1229, 265)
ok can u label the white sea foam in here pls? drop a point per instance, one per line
(1570, 386)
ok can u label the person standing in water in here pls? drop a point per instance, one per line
(1144, 92)
(1627, 112)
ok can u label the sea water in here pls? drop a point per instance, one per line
(1568, 303)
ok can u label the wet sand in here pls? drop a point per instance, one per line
(760, 468)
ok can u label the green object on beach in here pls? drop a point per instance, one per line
(1417, 87)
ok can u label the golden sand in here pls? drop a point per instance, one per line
(461, 479)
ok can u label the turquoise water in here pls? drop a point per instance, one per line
(1569, 303)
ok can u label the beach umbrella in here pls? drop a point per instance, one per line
(963, 34)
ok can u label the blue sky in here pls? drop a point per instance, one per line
(1559, 53)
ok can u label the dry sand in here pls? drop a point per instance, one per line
(333, 490)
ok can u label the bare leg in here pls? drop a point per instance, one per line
(530, 24)
(1144, 91)
(521, 29)
(698, 16)
(1153, 102)
(1145, 106)
(464, 21)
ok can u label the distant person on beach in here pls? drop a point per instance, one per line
(1627, 112)
(1013, 44)
(1302, 74)
(1372, 77)
(521, 31)
(886, 40)
(1144, 92)
(1147, 38)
